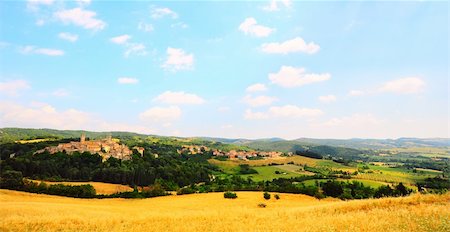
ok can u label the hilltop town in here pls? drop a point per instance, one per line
(106, 148)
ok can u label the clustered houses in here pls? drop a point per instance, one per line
(105, 148)
(192, 149)
(244, 155)
(233, 154)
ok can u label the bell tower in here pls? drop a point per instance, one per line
(83, 138)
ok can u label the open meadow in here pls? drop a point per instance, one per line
(211, 212)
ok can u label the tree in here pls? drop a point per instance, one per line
(11, 180)
(332, 188)
(230, 195)
(266, 195)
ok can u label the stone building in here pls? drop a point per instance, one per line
(104, 147)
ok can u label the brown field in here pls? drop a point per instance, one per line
(211, 212)
(100, 188)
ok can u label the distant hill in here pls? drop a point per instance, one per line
(14, 134)
(293, 145)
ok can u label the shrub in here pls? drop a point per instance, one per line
(230, 195)
(266, 195)
(277, 196)
(262, 205)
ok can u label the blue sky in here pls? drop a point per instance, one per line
(255, 69)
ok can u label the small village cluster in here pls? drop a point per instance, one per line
(233, 154)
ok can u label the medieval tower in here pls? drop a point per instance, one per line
(83, 138)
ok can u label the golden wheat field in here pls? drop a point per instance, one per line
(100, 187)
(211, 212)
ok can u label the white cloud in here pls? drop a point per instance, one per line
(227, 126)
(274, 5)
(145, 27)
(80, 17)
(43, 115)
(286, 111)
(157, 13)
(259, 100)
(179, 25)
(250, 115)
(177, 59)
(356, 93)
(40, 22)
(291, 111)
(34, 5)
(290, 46)
(12, 88)
(137, 49)
(178, 98)
(289, 77)
(223, 109)
(60, 93)
(409, 85)
(256, 87)
(327, 98)
(83, 2)
(127, 80)
(351, 122)
(121, 39)
(68, 36)
(161, 114)
(42, 51)
(251, 27)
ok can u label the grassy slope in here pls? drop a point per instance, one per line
(211, 212)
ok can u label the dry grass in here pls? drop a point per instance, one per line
(211, 212)
(100, 188)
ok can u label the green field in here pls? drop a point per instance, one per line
(395, 174)
(268, 173)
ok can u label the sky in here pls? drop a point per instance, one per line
(259, 69)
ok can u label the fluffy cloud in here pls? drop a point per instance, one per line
(127, 80)
(259, 100)
(43, 115)
(12, 88)
(33, 5)
(409, 85)
(145, 27)
(256, 87)
(121, 39)
(136, 49)
(161, 114)
(274, 5)
(80, 17)
(41, 51)
(286, 111)
(356, 93)
(177, 59)
(289, 77)
(355, 121)
(327, 98)
(60, 93)
(251, 27)
(68, 36)
(290, 46)
(157, 13)
(178, 98)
